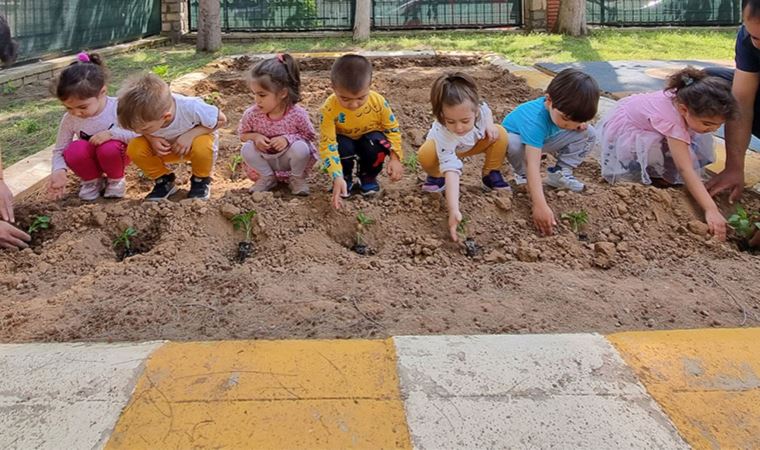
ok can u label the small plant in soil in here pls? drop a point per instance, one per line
(124, 241)
(235, 161)
(362, 222)
(471, 249)
(39, 223)
(410, 162)
(744, 224)
(577, 219)
(244, 221)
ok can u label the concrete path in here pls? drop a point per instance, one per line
(668, 389)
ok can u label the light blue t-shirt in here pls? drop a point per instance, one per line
(532, 122)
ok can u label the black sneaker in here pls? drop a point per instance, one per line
(163, 188)
(200, 188)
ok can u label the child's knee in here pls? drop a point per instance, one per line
(110, 149)
(299, 150)
(138, 148)
(248, 151)
(427, 156)
(204, 142)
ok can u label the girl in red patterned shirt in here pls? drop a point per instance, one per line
(277, 134)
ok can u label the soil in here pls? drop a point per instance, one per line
(647, 261)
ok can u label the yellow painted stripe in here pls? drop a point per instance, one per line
(534, 78)
(266, 394)
(707, 381)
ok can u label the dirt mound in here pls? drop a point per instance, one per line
(646, 261)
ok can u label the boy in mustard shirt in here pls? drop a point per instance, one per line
(359, 129)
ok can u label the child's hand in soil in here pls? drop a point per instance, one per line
(160, 146)
(716, 223)
(11, 237)
(100, 138)
(395, 168)
(492, 133)
(454, 218)
(182, 145)
(340, 189)
(277, 144)
(543, 218)
(57, 184)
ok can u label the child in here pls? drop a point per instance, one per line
(100, 145)
(357, 127)
(463, 127)
(555, 124)
(173, 127)
(277, 133)
(663, 137)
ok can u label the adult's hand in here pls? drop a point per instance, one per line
(6, 203)
(12, 237)
(731, 180)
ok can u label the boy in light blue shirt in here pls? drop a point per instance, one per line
(554, 124)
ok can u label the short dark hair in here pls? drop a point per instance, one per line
(751, 8)
(575, 94)
(8, 47)
(351, 72)
(704, 95)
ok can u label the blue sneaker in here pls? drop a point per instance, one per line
(370, 187)
(494, 181)
(434, 184)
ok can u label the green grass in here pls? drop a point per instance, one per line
(29, 117)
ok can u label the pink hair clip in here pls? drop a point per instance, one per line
(281, 58)
(83, 57)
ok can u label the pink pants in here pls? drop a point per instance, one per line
(89, 162)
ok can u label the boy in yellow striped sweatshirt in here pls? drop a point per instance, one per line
(357, 128)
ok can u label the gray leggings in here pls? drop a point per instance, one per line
(570, 147)
(295, 158)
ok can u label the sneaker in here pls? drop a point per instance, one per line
(200, 188)
(298, 186)
(163, 188)
(494, 181)
(370, 187)
(90, 190)
(115, 188)
(434, 184)
(562, 178)
(520, 179)
(264, 184)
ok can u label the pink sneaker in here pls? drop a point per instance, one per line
(90, 190)
(115, 188)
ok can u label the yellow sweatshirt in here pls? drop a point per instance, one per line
(375, 115)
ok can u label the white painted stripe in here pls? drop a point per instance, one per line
(540, 391)
(65, 396)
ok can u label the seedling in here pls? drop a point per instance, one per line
(577, 219)
(471, 249)
(161, 70)
(362, 222)
(39, 223)
(212, 98)
(244, 221)
(124, 241)
(410, 162)
(744, 223)
(235, 161)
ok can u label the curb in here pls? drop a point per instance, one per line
(657, 389)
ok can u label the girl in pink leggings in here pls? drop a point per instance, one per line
(90, 142)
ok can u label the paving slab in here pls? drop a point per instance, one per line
(707, 381)
(266, 394)
(543, 391)
(65, 396)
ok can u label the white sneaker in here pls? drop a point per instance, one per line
(562, 178)
(90, 190)
(264, 184)
(115, 188)
(520, 179)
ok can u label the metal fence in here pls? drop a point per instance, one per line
(663, 12)
(281, 15)
(49, 27)
(394, 14)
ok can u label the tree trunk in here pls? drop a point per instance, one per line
(572, 18)
(362, 20)
(209, 26)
